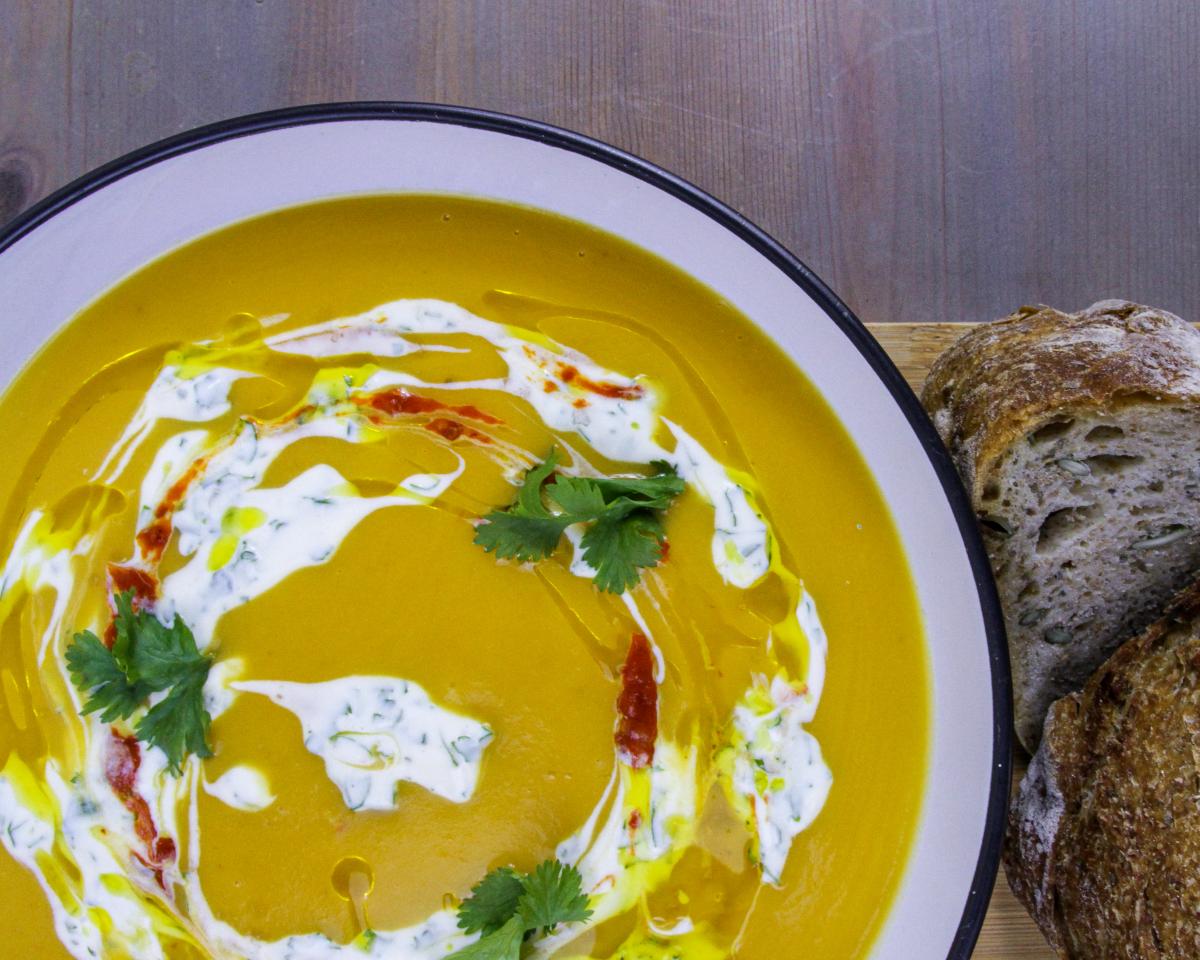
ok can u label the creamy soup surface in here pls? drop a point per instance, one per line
(365, 550)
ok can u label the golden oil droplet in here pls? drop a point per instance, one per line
(241, 329)
(353, 880)
(352, 876)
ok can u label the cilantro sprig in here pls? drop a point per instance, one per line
(506, 907)
(493, 901)
(146, 658)
(623, 515)
(553, 895)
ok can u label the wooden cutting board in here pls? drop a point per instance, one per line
(1008, 933)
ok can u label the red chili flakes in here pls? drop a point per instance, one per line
(122, 578)
(398, 401)
(448, 429)
(153, 537)
(550, 386)
(120, 769)
(451, 430)
(637, 705)
(474, 413)
(633, 824)
(664, 551)
(164, 849)
(121, 764)
(570, 374)
(579, 404)
(180, 487)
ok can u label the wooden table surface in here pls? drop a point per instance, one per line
(933, 160)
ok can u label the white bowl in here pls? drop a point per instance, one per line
(65, 251)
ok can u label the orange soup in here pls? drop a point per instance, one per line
(422, 577)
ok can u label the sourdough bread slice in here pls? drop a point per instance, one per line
(1103, 845)
(1078, 438)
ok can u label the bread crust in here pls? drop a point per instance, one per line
(1103, 843)
(1017, 402)
(1003, 380)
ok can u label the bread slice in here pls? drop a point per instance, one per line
(1078, 438)
(1104, 836)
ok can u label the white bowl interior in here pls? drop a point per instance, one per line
(61, 265)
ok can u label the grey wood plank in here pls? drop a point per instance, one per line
(931, 159)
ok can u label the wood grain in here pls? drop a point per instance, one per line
(930, 159)
(1008, 932)
(914, 346)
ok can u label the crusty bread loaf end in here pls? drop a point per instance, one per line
(1078, 438)
(1002, 380)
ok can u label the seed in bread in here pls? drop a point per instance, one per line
(1104, 837)
(1078, 438)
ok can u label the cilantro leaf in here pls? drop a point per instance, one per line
(502, 944)
(122, 628)
(553, 895)
(624, 532)
(514, 537)
(146, 657)
(529, 499)
(655, 492)
(178, 724)
(526, 531)
(162, 655)
(95, 671)
(616, 549)
(580, 498)
(506, 905)
(493, 901)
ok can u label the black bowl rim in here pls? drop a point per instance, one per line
(988, 862)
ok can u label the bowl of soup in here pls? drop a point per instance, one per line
(433, 534)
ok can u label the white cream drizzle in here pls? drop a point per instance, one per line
(268, 533)
(39, 561)
(614, 856)
(619, 428)
(242, 787)
(297, 525)
(70, 819)
(172, 396)
(373, 732)
(171, 459)
(778, 763)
